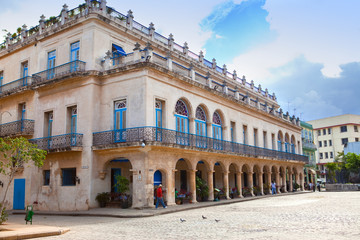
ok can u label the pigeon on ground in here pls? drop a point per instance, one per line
(217, 220)
(182, 220)
(203, 217)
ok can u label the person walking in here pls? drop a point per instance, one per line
(273, 188)
(159, 197)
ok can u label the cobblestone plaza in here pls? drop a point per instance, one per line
(302, 216)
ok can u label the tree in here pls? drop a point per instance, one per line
(14, 153)
(332, 167)
(352, 162)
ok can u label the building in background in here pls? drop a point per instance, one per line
(107, 96)
(331, 135)
(309, 149)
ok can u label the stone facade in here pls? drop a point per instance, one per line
(105, 95)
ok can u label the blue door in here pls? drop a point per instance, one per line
(25, 72)
(201, 140)
(73, 125)
(115, 172)
(157, 178)
(217, 137)
(120, 121)
(51, 65)
(74, 56)
(19, 194)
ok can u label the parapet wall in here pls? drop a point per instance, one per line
(342, 187)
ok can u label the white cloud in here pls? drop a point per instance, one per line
(217, 36)
(325, 33)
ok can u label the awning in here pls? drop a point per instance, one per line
(119, 50)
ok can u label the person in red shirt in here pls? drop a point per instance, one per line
(159, 197)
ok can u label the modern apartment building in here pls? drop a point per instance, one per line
(331, 134)
(107, 96)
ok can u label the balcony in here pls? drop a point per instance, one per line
(60, 143)
(14, 86)
(59, 71)
(23, 127)
(165, 137)
(309, 145)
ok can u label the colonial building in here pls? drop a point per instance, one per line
(309, 150)
(331, 135)
(107, 96)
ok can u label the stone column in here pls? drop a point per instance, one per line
(41, 24)
(269, 180)
(130, 19)
(151, 31)
(192, 182)
(277, 181)
(226, 184)
(297, 178)
(238, 180)
(261, 185)
(250, 182)
(171, 42)
(170, 187)
(148, 52)
(103, 6)
(290, 181)
(137, 54)
(64, 14)
(284, 181)
(210, 185)
(192, 72)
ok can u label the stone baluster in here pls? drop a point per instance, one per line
(259, 88)
(130, 19)
(201, 57)
(192, 72)
(224, 69)
(185, 49)
(41, 24)
(103, 6)
(266, 92)
(107, 60)
(137, 54)
(151, 31)
(23, 32)
(64, 14)
(169, 61)
(274, 97)
(237, 94)
(148, 52)
(252, 84)
(258, 103)
(234, 75)
(209, 81)
(243, 80)
(225, 88)
(281, 113)
(171, 42)
(8, 41)
(247, 99)
(213, 63)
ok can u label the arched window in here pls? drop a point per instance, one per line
(217, 130)
(287, 144)
(292, 145)
(182, 117)
(200, 127)
(182, 123)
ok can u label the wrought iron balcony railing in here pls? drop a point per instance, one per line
(309, 145)
(165, 136)
(20, 127)
(60, 142)
(52, 73)
(15, 85)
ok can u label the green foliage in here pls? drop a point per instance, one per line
(121, 184)
(202, 190)
(14, 153)
(3, 214)
(103, 197)
(352, 162)
(332, 167)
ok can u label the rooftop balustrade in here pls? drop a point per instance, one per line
(160, 136)
(65, 142)
(23, 127)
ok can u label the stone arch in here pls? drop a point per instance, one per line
(188, 105)
(245, 169)
(219, 169)
(256, 172)
(293, 144)
(283, 184)
(267, 179)
(233, 170)
(280, 140)
(206, 110)
(182, 176)
(287, 142)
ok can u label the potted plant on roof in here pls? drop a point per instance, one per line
(122, 187)
(103, 198)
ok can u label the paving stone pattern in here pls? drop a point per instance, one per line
(324, 215)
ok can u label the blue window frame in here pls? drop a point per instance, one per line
(1, 80)
(68, 176)
(157, 178)
(23, 115)
(182, 123)
(200, 128)
(73, 127)
(217, 131)
(49, 130)
(158, 119)
(120, 120)
(74, 56)
(51, 64)
(24, 72)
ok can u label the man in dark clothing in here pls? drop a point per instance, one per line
(159, 197)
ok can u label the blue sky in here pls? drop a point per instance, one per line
(305, 51)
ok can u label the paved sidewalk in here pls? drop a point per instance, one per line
(11, 231)
(149, 212)
(18, 231)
